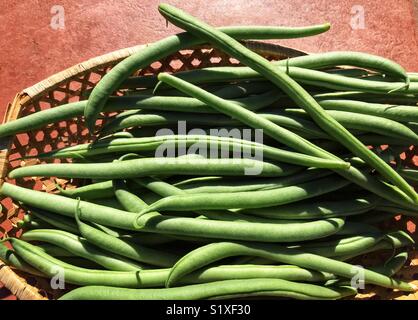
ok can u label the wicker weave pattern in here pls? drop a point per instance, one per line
(70, 86)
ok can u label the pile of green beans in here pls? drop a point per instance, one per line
(213, 211)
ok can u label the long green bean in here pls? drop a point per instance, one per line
(219, 289)
(207, 144)
(80, 247)
(249, 199)
(157, 166)
(216, 251)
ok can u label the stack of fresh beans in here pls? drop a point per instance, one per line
(290, 224)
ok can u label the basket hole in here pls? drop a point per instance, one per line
(94, 77)
(54, 134)
(22, 139)
(73, 128)
(215, 59)
(59, 95)
(411, 226)
(196, 62)
(233, 61)
(74, 86)
(44, 105)
(176, 64)
(39, 136)
(156, 65)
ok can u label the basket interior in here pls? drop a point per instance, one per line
(71, 132)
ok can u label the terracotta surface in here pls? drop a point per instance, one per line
(31, 49)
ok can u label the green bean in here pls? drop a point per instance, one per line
(393, 98)
(156, 277)
(89, 192)
(378, 140)
(139, 118)
(70, 225)
(9, 257)
(223, 184)
(393, 240)
(304, 75)
(30, 222)
(129, 201)
(66, 206)
(108, 202)
(288, 85)
(213, 252)
(156, 166)
(124, 247)
(133, 203)
(66, 111)
(366, 123)
(346, 248)
(187, 104)
(75, 109)
(394, 112)
(392, 266)
(249, 199)
(250, 231)
(351, 246)
(164, 189)
(63, 223)
(54, 250)
(389, 268)
(160, 49)
(317, 209)
(80, 247)
(409, 174)
(220, 289)
(173, 143)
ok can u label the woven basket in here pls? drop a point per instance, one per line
(69, 86)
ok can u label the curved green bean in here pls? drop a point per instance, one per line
(220, 289)
(366, 123)
(224, 184)
(32, 256)
(395, 112)
(124, 247)
(80, 247)
(249, 199)
(312, 61)
(67, 206)
(216, 251)
(317, 209)
(250, 231)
